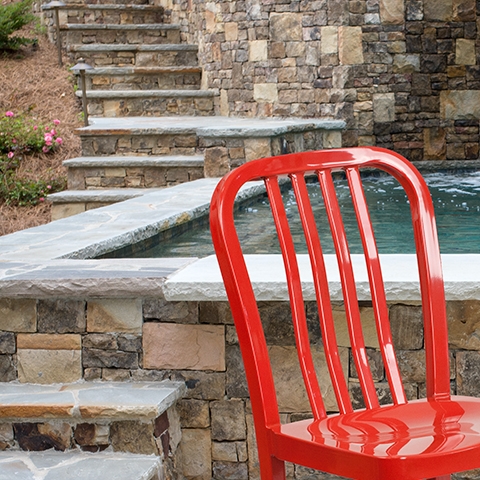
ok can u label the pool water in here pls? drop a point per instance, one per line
(456, 199)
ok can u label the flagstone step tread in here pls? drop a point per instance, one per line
(51, 465)
(215, 126)
(147, 93)
(99, 195)
(105, 6)
(85, 400)
(113, 26)
(136, 161)
(143, 70)
(121, 47)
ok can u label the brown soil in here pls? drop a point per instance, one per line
(32, 81)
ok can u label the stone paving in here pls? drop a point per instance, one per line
(78, 466)
(82, 401)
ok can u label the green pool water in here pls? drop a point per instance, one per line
(456, 199)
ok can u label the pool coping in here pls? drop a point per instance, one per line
(55, 259)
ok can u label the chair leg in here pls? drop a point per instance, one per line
(271, 468)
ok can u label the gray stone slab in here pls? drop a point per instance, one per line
(147, 93)
(104, 195)
(120, 47)
(51, 465)
(126, 27)
(142, 70)
(111, 278)
(202, 280)
(95, 232)
(136, 161)
(208, 126)
(88, 400)
(115, 7)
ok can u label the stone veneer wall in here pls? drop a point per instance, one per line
(65, 340)
(404, 74)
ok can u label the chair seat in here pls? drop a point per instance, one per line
(395, 438)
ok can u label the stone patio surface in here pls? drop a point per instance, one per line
(52, 465)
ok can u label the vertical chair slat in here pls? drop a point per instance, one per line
(377, 289)
(322, 293)
(296, 298)
(349, 289)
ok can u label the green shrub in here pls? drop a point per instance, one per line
(13, 17)
(19, 136)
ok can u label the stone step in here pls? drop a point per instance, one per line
(132, 171)
(125, 417)
(134, 103)
(234, 140)
(162, 55)
(105, 14)
(143, 78)
(147, 33)
(79, 465)
(72, 202)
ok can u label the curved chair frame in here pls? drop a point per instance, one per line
(426, 438)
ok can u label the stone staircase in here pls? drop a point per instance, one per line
(150, 120)
(141, 68)
(121, 431)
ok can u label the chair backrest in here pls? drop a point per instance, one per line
(242, 299)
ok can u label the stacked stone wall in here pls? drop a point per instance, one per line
(65, 340)
(404, 74)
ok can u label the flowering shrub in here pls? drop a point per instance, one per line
(29, 192)
(19, 136)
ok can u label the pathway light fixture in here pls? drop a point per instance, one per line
(80, 68)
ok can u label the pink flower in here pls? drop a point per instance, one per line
(9, 114)
(49, 187)
(10, 154)
(45, 149)
(41, 199)
(53, 131)
(48, 138)
(59, 141)
(14, 141)
(56, 122)
(35, 127)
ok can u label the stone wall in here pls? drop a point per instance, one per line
(65, 340)
(404, 74)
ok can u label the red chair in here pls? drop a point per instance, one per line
(427, 438)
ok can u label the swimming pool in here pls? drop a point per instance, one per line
(456, 199)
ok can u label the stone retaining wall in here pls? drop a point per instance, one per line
(65, 340)
(403, 74)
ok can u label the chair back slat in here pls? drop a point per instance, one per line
(349, 289)
(322, 293)
(297, 304)
(377, 289)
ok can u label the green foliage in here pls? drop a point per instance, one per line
(13, 17)
(20, 135)
(24, 192)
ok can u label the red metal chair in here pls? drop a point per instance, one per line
(427, 438)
